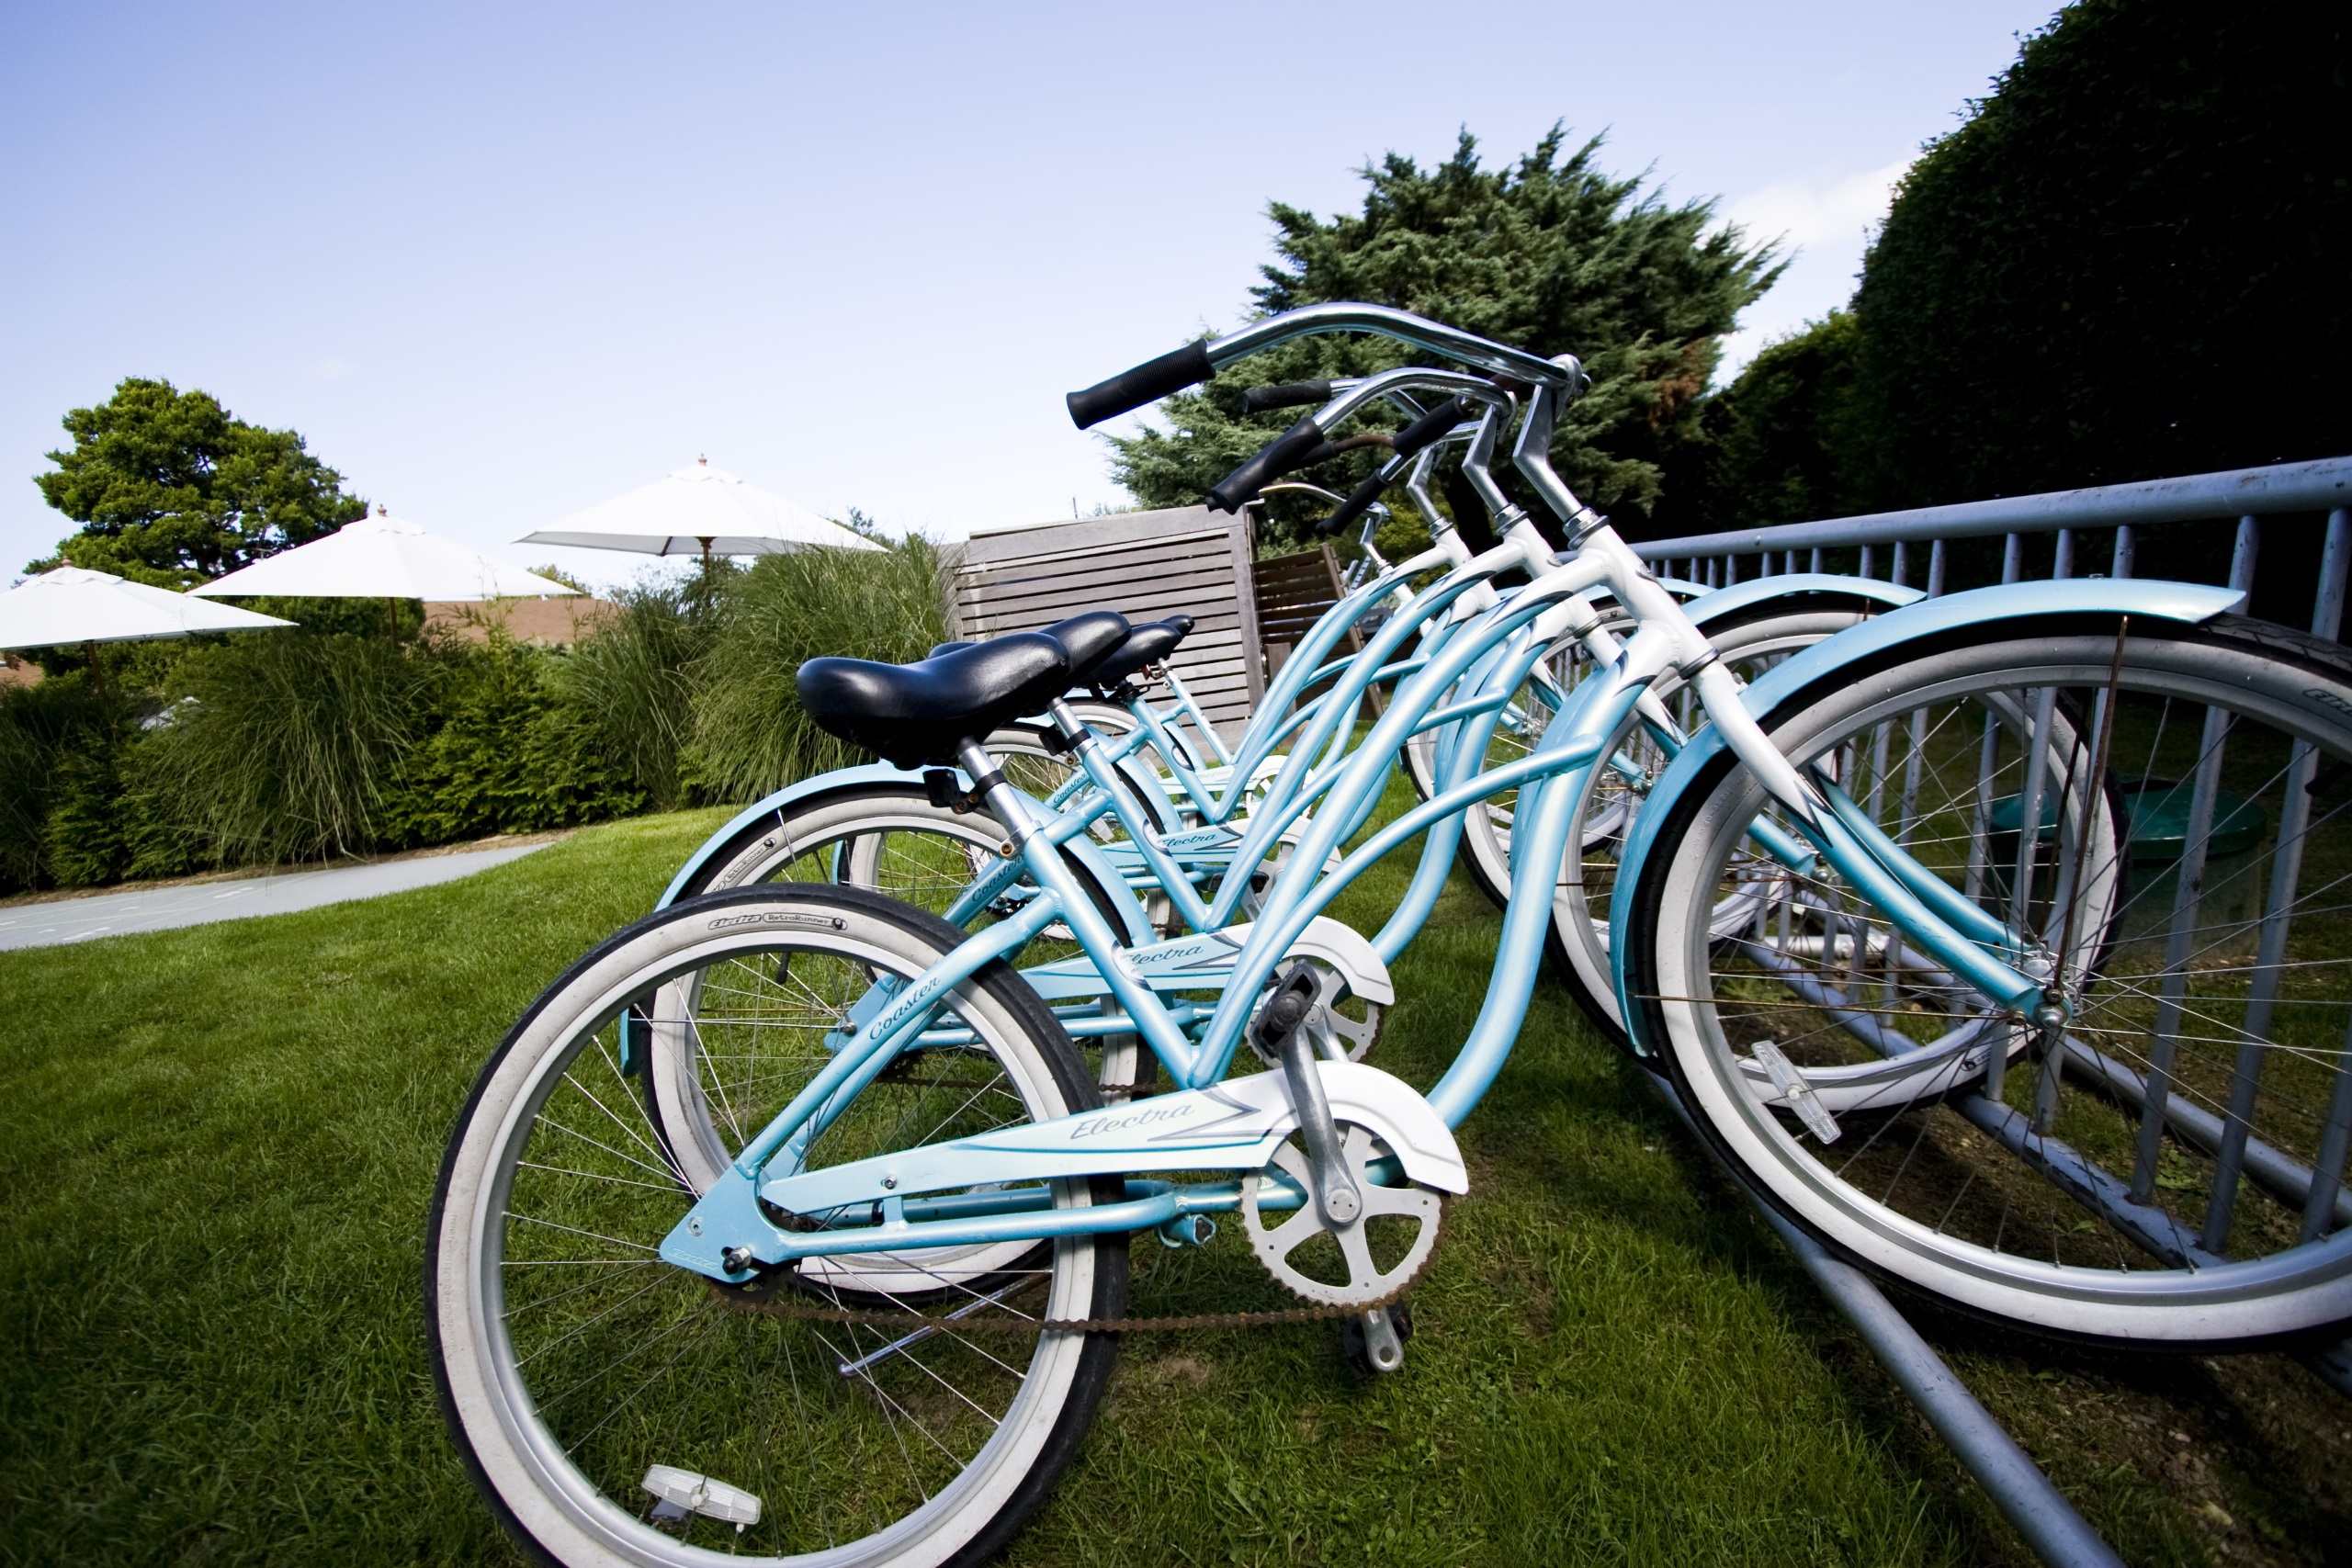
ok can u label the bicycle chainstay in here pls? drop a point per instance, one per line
(750, 1299)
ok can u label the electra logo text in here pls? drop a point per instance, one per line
(1105, 1124)
(1176, 957)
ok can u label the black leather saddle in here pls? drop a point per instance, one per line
(1149, 643)
(1092, 636)
(915, 714)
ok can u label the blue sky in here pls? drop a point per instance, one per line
(500, 262)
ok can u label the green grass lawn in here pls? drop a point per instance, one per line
(219, 1146)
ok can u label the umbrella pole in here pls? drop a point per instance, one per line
(97, 670)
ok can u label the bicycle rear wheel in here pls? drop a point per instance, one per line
(884, 837)
(582, 1376)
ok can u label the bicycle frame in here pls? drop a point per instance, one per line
(726, 1236)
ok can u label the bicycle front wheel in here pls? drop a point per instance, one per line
(2164, 1169)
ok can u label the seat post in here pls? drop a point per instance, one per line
(1094, 758)
(1004, 802)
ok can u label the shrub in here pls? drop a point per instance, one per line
(42, 727)
(628, 685)
(289, 746)
(750, 735)
(82, 837)
(2119, 266)
(507, 754)
(1781, 439)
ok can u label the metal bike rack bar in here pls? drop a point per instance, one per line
(2245, 498)
(2017, 1486)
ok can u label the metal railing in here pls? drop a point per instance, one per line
(1893, 541)
(2107, 526)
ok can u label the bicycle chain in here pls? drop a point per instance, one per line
(1012, 1322)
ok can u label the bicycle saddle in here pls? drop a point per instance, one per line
(1090, 636)
(914, 715)
(1148, 643)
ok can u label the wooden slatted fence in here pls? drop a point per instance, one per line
(1142, 564)
(1293, 592)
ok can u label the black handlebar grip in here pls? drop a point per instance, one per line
(1434, 424)
(1286, 394)
(1147, 383)
(1359, 501)
(1277, 457)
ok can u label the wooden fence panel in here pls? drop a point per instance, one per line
(1145, 565)
(1293, 592)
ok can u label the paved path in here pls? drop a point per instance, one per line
(112, 914)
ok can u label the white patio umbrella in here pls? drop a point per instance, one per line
(71, 603)
(698, 508)
(382, 558)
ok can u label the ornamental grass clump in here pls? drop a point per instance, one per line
(631, 682)
(289, 747)
(750, 735)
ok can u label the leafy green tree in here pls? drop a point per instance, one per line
(1780, 442)
(1550, 253)
(171, 489)
(2127, 263)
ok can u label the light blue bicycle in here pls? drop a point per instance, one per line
(878, 1334)
(1172, 825)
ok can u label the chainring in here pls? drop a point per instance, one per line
(1368, 1283)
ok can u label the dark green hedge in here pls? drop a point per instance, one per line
(277, 749)
(2128, 262)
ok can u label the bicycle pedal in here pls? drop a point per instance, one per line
(1286, 1010)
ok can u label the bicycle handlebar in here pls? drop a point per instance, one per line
(1350, 316)
(1147, 383)
(1277, 457)
(1423, 432)
(1196, 362)
(1286, 394)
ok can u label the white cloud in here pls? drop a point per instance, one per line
(1823, 225)
(331, 368)
(1807, 212)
